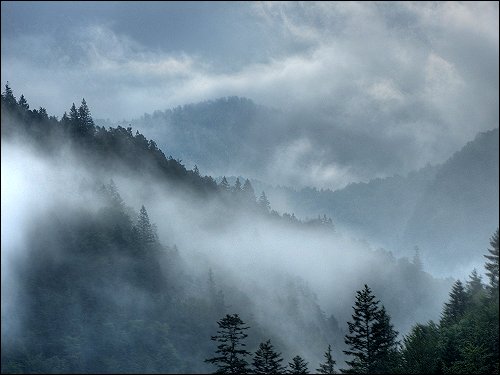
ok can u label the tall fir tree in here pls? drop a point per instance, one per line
(456, 306)
(474, 287)
(74, 118)
(224, 185)
(145, 230)
(230, 353)
(492, 265)
(267, 361)
(327, 367)
(371, 338)
(23, 103)
(420, 354)
(386, 354)
(264, 203)
(85, 119)
(298, 366)
(8, 97)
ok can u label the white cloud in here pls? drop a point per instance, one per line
(412, 71)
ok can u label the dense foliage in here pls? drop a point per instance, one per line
(100, 293)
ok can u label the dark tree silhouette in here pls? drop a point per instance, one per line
(264, 203)
(86, 122)
(420, 354)
(224, 185)
(455, 308)
(8, 97)
(474, 287)
(327, 367)
(386, 354)
(266, 360)
(145, 230)
(371, 338)
(23, 104)
(230, 355)
(492, 265)
(298, 366)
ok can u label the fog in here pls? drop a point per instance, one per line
(407, 84)
(248, 252)
(381, 117)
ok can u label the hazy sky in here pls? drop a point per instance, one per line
(415, 80)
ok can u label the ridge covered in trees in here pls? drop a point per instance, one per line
(103, 294)
(465, 341)
(119, 147)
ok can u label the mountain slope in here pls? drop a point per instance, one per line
(459, 209)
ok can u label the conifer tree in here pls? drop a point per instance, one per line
(328, 366)
(474, 287)
(8, 97)
(237, 186)
(266, 360)
(420, 354)
(371, 338)
(196, 171)
(298, 366)
(230, 353)
(144, 228)
(86, 122)
(23, 103)
(492, 265)
(386, 354)
(224, 185)
(248, 192)
(264, 203)
(74, 118)
(455, 308)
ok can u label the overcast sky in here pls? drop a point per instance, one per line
(417, 80)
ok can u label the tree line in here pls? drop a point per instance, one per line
(465, 341)
(135, 151)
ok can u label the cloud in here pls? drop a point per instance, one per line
(418, 79)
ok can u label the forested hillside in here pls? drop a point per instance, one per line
(450, 207)
(102, 278)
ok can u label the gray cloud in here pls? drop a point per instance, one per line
(379, 88)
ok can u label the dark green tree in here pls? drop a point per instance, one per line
(420, 354)
(230, 353)
(86, 122)
(145, 230)
(74, 118)
(474, 287)
(266, 360)
(492, 265)
(8, 97)
(386, 354)
(371, 338)
(23, 103)
(456, 306)
(327, 367)
(298, 366)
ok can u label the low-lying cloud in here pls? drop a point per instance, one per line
(416, 81)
